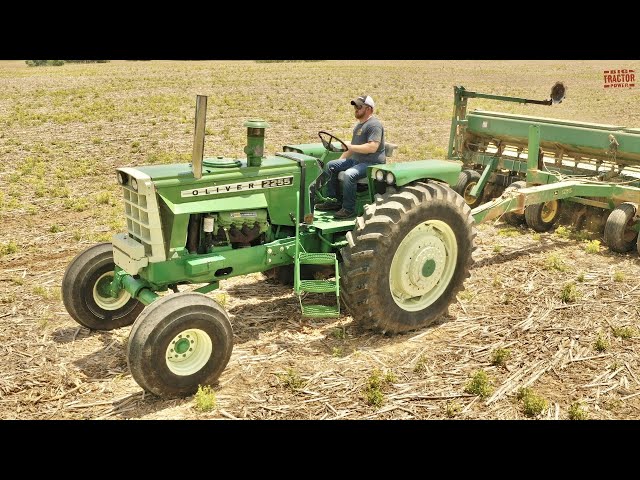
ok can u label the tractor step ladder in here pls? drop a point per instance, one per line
(318, 286)
(315, 286)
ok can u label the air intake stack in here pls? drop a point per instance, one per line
(255, 142)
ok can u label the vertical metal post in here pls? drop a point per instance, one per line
(457, 98)
(198, 138)
(534, 151)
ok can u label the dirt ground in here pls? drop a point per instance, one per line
(551, 312)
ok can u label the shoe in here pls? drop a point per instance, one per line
(342, 213)
(328, 205)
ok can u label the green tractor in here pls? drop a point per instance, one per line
(396, 267)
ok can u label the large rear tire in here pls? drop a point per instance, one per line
(85, 291)
(179, 342)
(407, 257)
(619, 234)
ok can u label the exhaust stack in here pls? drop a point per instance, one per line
(198, 138)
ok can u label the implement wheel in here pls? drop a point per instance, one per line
(466, 181)
(85, 291)
(541, 216)
(179, 342)
(619, 234)
(407, 257)
(513, 218)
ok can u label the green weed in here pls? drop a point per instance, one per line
(576, 412)
(532, 404)
(570, 293)
(509, 232)
(601, 344)
(499, 356)
(563, 232)
(205, 398)
(291, 379)
(554, 262)
(373, 390)
(592, 246)
(453, 409)
(479, 385)
(624, 332)
(8, 248)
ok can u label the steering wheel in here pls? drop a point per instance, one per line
(327, 141)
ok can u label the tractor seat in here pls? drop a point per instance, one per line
(388, 151)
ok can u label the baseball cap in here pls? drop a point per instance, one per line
(363, 100)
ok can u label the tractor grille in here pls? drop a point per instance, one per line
(143, 216)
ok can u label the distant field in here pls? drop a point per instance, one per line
(64, 129)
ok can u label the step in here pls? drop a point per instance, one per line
(317, 258)
(318, 286)
(320, 311)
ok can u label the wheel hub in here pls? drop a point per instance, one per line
(423, 265)
(189, 351)
(102, 294)
(549, 210)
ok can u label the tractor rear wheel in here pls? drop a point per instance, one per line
(179, 342)
(466, 181)
(85, 291)
(619, 234)
(407, 257)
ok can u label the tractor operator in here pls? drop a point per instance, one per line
(366, 148)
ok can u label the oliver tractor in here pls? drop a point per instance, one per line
(396, 267)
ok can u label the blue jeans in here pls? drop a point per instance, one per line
(353, 172)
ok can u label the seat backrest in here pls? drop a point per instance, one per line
(389, 148)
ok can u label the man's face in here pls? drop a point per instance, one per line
(361, 111)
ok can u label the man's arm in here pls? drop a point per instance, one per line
(369, 147)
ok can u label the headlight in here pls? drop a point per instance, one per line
(291, 149)
(134, 184)
(390, 178)
(379, 175)
(122, 178)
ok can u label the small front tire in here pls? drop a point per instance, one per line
(179, 342)
(85, 291)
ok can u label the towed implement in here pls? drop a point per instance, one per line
(396, 267)
(531, 170)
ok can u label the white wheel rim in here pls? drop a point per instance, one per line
(188, 352)
(107, 302)
(423, 265)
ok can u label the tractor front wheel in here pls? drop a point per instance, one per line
(85, 291)
(179, 342)
(407, 257)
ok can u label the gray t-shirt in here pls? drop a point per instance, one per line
(369, 131)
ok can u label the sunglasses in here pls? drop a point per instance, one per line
(359, 107)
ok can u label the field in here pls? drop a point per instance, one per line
(547, 328)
